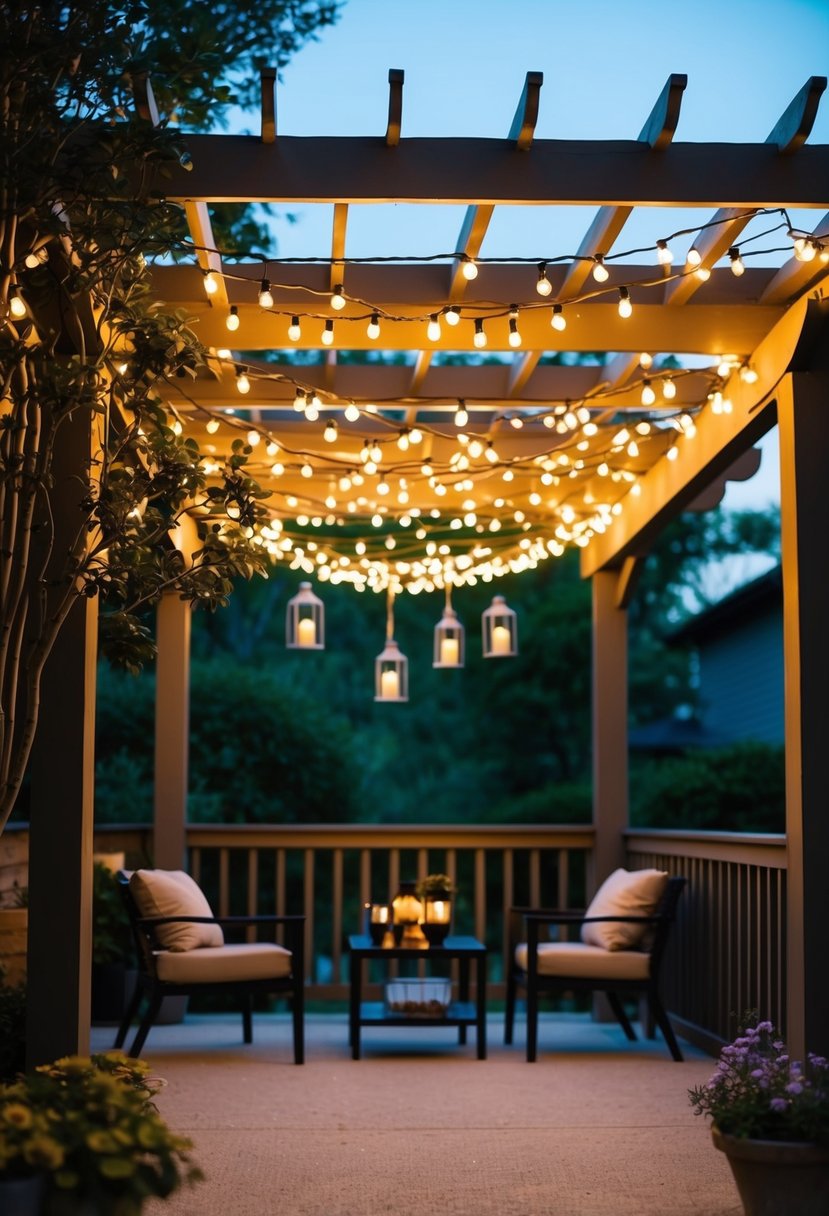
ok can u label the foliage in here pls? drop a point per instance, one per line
(740, 788)
(758, 1092)
(91, 1125)
(12, 1029)
(434, 884)
(112, 940)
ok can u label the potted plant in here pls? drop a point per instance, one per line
(435, 892)
(113, 948)
(770, 1116)
(83, 1135)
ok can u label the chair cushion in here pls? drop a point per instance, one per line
(586, 962)
(254, 961)
(624, 893)
(173, 893)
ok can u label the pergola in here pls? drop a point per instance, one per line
(417, 468)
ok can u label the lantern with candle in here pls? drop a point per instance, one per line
(436, 891)
(407, 913)
(449, 648)
(379, 922)
(391, 667)
(500, 630)
(305, 621)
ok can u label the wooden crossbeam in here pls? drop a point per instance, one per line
(268, 80)
(396, 77)
(620, 368)
(608, 222)
(788, 135)
(421, 367)
(628, 580)
(522, 368)
(201, 230)
(337, 276)
(795, 276)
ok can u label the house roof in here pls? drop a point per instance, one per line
(762, 592)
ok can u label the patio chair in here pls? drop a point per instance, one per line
(619, 954)
(182, 951)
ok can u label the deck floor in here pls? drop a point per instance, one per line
(597, 1127)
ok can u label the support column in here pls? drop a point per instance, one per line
(610, 729)
(172, 731)
(803, 419)
(62, 771)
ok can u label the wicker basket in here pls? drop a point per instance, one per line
(417, 998)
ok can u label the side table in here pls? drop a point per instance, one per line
(461, 1013)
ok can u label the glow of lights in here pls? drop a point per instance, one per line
(330, 432)
(461, 415)
(669, 388)
(232, 319)
(211, 283)
(663, 253)
(373, 327)
(242, 383)
(338, 298)
(351, 413)
(702, 273)
(294, 330)
(265, 297)
(748, 374)
(468, 268)
(307, 470)
(558, 319)
(328, 333)
(433, 328)
(737, 264)
(514, 335)
(648, 394)
(600, 272)
(693, 257)
(453, 315)
(479, 340)
(625, 306)
(212, 426)
(543, 285)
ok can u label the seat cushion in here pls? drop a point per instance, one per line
(255, 961)
(624, 893)
(173, 893)
(577, 960)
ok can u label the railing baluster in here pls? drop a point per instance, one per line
(195, 865)
(337, 917)
(279, 892)
(224, 882)
(563, 894)
(480, 895)
(253, 891)
(366, 896)
(535, 878)
(308, 901)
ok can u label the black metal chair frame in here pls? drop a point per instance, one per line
(155, 989)
(537, 984)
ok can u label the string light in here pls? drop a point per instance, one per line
(17, 308)
(514, 335)
(328, 333)
(645, 361)
(415, 435)
(558, 319)
(294, 331)
(253, 438)
(211, 283)
(737, 264)
(543, 285)
(403, 441)
(600, 272)
(212, 426)
(452, 314)
(330, 432)
(648, 395)
(433, 328)
(299, 401)
(669, 388)
(351, 413)
(242, 382)
(748, 374)
(461, 414)
(702, 273)
(265, 297)
(663, 253)
(625, 306)
(693, 257)
(312, 411)
(468, 268)
(373, 327)
(804, 248)
(338, 298)
(232, 319)
(479, 340)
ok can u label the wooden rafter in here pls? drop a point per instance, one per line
(268, 105)
(608, 222)
(338, 231)
(795, 276)
(395, 120)
(209, 259)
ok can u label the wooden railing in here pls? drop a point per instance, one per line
(729, 953)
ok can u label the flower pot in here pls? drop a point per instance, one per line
(113, 986)
(22, 1196)
(777, 1177)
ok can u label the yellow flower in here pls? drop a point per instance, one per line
(45, 1152)
(101, 1142)
(17, 1115)
(116, 1167)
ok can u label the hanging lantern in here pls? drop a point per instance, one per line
(449, 637)
(500, 630)
(391, 667)
(437, 915)
(305, 621)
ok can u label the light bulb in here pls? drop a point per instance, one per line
(514, 336)
(16, 306)
(645, 361)
(222, 353)
(403, 441)
(31, 261)
(338, 298)
(176, 426)
(737, 264)
(475, 448)
(415, 435)
(672, 452)
(600, 272)
(479, 339)
(299, 401)
(648, 395)
(328, 333)
(453, 315)
(330, 432)
(294, 331)
(693, 257)
(748, 374)
(212, 426)
(211, 283)
(373, 328)
(461, 415)
(265, 297)
(625, 306)
(232, 319)
(242, 383)
(306, 470)
(669, 388)
(376, 452)
(633, 449)
(558, 319)
(804, 249)
(663, 253)
(543, 286)
(312, 412)
(433, 328)
(702, 273)
(253, 438)
(469, 269)
(351, 413)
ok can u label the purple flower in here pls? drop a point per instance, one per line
(778, 1105)
(794, 1087)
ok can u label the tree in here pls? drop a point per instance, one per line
(84, 354)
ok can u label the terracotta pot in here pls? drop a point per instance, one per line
(777, 1177)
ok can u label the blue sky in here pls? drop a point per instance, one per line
(604, 64)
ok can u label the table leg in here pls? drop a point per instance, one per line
(355, 996)
(463, 992)
(480, 966)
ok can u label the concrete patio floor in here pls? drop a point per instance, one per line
(598, 1127)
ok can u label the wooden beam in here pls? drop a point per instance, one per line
(610, 736)
(268, 81)
(671, 485)
(526, 115)
(396, 77)
(620, 368)
(795, 276)
(172, 737)
(628, 580)
(421, 367)
(794, 126)
(338, 231)
(522, 368)
(332, 169)
(209, 258)
(608, 222)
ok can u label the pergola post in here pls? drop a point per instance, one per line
(610, 733)
(62, 772)
(803, 420)
(172, 728)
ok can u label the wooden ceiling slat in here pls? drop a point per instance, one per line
(795, 276)
(608, 222)
(521, 370)
(201, 230)
(268, 83)
(395, 120)
(421, 367)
